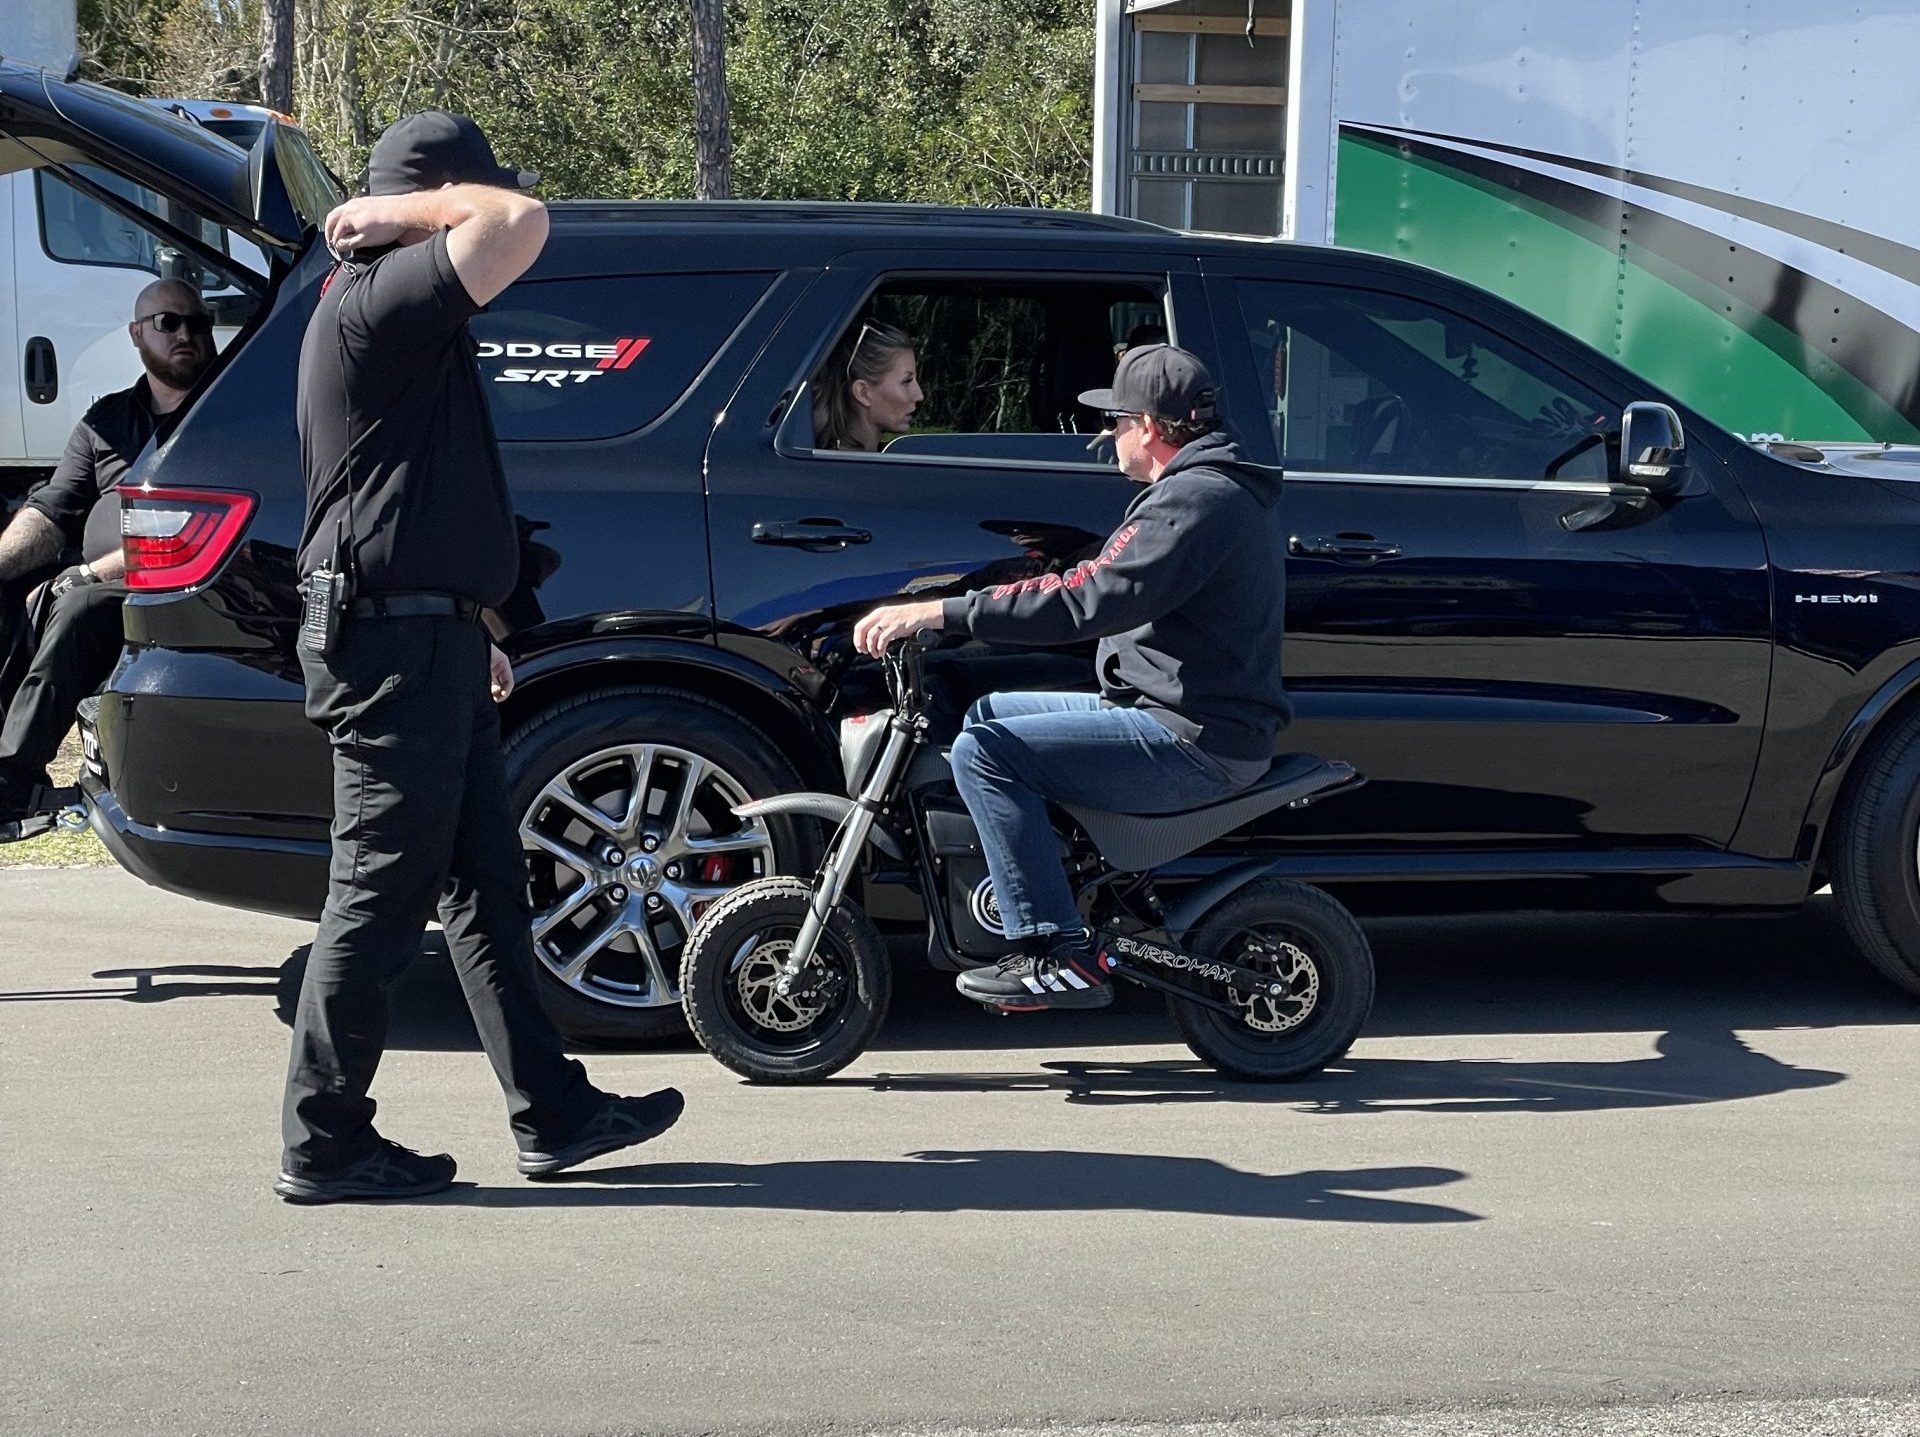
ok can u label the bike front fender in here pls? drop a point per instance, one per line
(833, 808)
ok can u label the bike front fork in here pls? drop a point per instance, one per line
(843, 854)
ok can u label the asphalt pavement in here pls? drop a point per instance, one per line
(1588, 1175)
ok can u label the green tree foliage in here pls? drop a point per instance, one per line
(948, 101)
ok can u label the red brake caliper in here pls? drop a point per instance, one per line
(713, 869)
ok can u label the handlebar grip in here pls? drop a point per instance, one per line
(918, 643)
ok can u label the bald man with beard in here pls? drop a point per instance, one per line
(72, 633)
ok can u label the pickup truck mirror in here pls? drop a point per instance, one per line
(1653, 448)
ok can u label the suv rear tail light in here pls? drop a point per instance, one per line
(176, 538)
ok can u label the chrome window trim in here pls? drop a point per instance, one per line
(956, 461)
(1597, 487)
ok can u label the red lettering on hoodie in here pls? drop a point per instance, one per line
(1078, 575)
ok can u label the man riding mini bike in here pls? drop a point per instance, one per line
(1071, 801)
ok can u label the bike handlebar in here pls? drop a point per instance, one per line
(903, 670)
(919, 643)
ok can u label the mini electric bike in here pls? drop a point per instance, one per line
(787, 981)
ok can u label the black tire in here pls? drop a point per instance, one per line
(1337, 981)
(621, 997)
(738, 940)
(1876, 855)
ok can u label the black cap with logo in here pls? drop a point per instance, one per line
(435, 147)
(1161, 380)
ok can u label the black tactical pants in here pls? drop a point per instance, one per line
(72, 648)
(419, 817)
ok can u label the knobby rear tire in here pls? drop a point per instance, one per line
(1323, 929)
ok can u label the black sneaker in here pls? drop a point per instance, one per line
(15, 828)
(30, 812)
(620, 1123)
(1067, 975)
(389, 1171)
(18, 791)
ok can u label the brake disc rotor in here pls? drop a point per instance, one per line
(756, 980)
(1290, 969)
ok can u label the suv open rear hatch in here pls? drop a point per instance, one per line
(273, 195)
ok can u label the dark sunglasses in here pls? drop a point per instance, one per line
(167, 322)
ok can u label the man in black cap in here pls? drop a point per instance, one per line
(1187, 599)
(70, 636)
(407, 506)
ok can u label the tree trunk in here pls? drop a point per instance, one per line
(276, 55)
(713, 171)
(353, 100)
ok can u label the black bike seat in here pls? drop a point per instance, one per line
(1136, 842)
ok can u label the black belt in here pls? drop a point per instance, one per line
(414, 606)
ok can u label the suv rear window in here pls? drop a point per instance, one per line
(78, 229)
(595, 358)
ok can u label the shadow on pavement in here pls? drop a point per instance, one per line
(264, 980)
(1698, 981)
(1704, 1065)
(996, 1181)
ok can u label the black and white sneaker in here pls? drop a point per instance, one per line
(1069, 974)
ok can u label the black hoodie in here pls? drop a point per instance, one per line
(1188, 600)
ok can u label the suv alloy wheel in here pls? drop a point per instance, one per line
(624, 799)
(1876, 854)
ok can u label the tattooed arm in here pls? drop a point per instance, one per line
(31, 541)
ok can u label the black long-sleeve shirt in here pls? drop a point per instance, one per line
(102, 448)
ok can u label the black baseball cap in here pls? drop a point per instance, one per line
(1162, 380)
(434, 147)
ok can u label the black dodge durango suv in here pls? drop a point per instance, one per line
(1592, 651)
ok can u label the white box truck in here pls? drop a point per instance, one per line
(1724, 194)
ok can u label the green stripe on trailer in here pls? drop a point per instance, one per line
(1736, 365)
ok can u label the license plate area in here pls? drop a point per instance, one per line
(87, 714)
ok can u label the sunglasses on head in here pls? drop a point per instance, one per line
(854, 354)
(167, 322)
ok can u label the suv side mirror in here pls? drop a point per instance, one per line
(1653, 448)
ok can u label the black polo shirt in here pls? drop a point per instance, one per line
(390, 398)
(102, 448)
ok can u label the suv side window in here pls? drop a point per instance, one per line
(1365, 382)
(1009, 362)
(595, 358)
(1001, 364)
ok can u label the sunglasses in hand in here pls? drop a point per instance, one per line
(167, 322)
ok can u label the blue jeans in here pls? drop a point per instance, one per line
(1017, 752)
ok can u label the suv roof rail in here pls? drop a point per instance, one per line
(851, 212)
